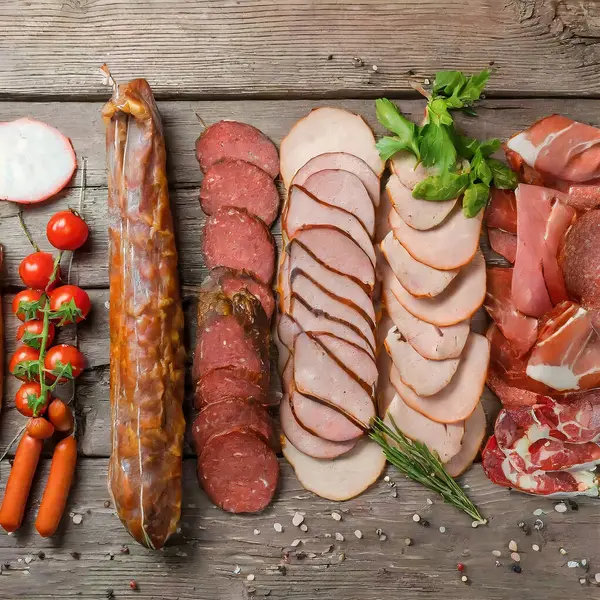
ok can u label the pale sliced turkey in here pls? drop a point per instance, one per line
(404, 166)
(475, 427)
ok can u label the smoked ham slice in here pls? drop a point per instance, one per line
(327, 129)
(423, 376)
(447, 246)
(457, 401)
(343, 477)
(418, 214)
(520, 330)
(338, 251)
(430, 341)
(304, 209)
(319, 375)
(418, 279)
(501, 211)
(503, 243)
(344, 190)
(404, 166)
(475, 427)
(306, 442)
(458, 302)
(342, 161)
(298, 256)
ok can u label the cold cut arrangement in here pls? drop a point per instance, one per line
(146, 321)
(545, 349)
(326, 326)
(233, 432)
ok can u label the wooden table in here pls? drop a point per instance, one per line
(269, 63)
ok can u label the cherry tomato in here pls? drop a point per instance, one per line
(35, 328)
(36, 269)
(64, 353)
(61, 296)
(66, 230)
(22, 399)
(25, 296)
(24, 354)
(39, 428)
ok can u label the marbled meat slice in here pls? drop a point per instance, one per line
(228, 383)
(230, 140)
(240, 184)
(239, 472)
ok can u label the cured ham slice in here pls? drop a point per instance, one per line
(416, 213)
(430, 341)
(337, 251)
(345, 162)
(418, 279)
(323, 130)
(317, 374)
(567, 354)
(475, 427)
(559, 148)
(543, 220)
(458, 302)
(503, 243)
(298, 256)
(425, 377)
(509, 396)
(309, 444)
(501, 471)
(310, 319)
(341, 478)
(521, 331)
(447, 246)
(321, 300)
(344, 190)
(404, 166)
(501, 211)
(304, 209)
(438, 437)
(530, 449)
(457, 401)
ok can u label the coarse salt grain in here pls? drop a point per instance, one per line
(297, 519)
(538, 511)
(387, 478)
(237, 570)
(515, 556)
(535, 548)
(257, 532)
(416, 518)
(464, 579)
(512, 546)
(408, 542)
(278, 527)
(562, 551)
(442, 529)
(429, 501)
(597, 577)
(496, 553)
(561, 507)
(572, 564)
(304, 527)
(358, 534)
(77, 519)
(583, 580)
(336, 516)
(250, 577)
(339, 537)
(295, 543)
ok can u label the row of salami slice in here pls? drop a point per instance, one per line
(433, 281)
(234, 433)
(326, 328)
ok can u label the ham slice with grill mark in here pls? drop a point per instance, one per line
(503, 243)
(418, 214)
(430, 341)
(418, 279)
(564, 484)
(342, 161)
(344, 190)
(447, 246)
(458, 302)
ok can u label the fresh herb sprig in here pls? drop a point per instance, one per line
(420, 464)
(464, 165)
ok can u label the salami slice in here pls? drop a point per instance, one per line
(234, 238)
(228, 383)
(240, 184)
(232, 140)
(239, 472)
(232, 415)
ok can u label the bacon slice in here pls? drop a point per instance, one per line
(520, 330)
(503, 243)
(418, 214)
(448, 246)
(418, 279)
(501, 211)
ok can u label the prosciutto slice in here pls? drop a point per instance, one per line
(542, 221)
(507, 394)
(520, 330)
(503, 243)
(501, 211)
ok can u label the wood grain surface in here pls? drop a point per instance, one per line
(290, 48)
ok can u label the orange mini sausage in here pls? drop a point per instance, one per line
(61, 416)
(19, 482)
(40, 428)
(58, 486)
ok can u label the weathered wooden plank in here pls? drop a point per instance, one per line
(200, 562)
(291, 48)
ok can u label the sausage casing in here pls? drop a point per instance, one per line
(146, 321)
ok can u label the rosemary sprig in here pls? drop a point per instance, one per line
(420, 464)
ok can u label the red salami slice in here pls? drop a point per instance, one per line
(228, 383)
(240, 184)
(239, 472)
(232, 415)
(233, 281)
(234, 238)
(233, 140)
